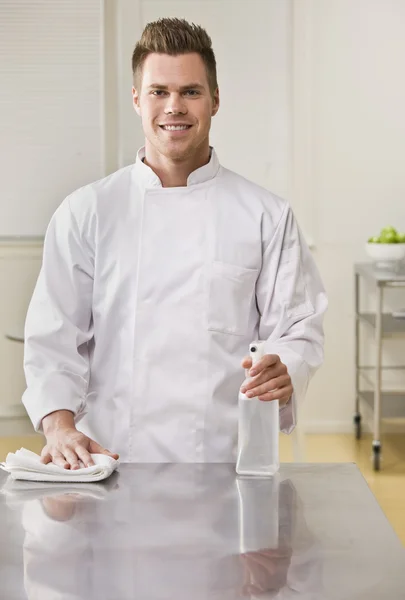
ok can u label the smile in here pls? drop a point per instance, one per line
(175, 127)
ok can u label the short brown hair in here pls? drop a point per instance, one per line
(174, 37)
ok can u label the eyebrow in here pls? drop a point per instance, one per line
(191, 86)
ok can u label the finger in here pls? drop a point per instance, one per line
(263, 561)
(59, 460)
(45, 456)
(261, 378)
(269, 378)
(260, 572)
(269, 386)
(283, 395)
(247, 362)
(84, 456)
(71, 458)
(108, 453)
(100, 450)
(267, 361)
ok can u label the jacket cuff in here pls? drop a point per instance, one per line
(288, 415)
(60, 390)
(298, 371)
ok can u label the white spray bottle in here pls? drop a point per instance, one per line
(258, 431)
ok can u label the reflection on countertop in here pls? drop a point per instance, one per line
(192, 531)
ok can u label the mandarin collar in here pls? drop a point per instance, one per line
(148, 178)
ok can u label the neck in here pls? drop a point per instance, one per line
(172, 172)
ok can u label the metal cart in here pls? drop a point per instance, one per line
(389, 403)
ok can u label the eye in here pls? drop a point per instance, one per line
(158, 92)
(192, 92)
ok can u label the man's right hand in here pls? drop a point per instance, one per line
(65, 445)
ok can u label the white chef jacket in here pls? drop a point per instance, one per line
(146, 303)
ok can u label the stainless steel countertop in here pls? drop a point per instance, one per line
(197, 532)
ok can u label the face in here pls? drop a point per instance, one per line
(176, 105)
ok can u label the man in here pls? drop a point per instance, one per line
(156, 278)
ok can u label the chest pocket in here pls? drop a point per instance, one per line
(231, 291)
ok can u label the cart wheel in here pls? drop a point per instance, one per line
(377, 455)
(357, 425)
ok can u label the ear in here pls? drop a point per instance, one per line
(135, 101)
(215, 104)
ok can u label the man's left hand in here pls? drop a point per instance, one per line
(270, 379)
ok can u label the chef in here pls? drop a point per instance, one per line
(155, 280)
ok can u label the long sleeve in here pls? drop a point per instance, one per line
(291, 300)
(58, 323)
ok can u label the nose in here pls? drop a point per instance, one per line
(175, 105)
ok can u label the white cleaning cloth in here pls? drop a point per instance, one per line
(27, 465)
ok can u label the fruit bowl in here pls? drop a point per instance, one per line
(386, 255)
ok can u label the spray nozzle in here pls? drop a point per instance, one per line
(256, 351)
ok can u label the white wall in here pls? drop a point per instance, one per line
(349, 175)
(51, 105)
(19, 267)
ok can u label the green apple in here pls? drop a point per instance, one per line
(374, 240)
(388, 229)
(388, 237)
(401, 238)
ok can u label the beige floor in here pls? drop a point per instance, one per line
(388, 485)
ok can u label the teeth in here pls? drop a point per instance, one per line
(175, 127)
